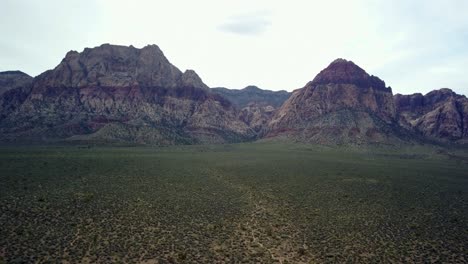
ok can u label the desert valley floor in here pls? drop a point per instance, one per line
(240, 203)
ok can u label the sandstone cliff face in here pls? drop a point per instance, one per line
(10, 80)
(14, 88)
(117, 93)
(257, 116)
(124, 94)
(191, 79)
(439, 115)
(112, 66)
(343, 104)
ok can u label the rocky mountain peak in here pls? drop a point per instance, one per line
(113, 66)
(14, 88)
(417, 101)
(343, 103)
(441, 95)
(191, 79)
(13, 79)
(71, 54)
(342, 71)
(119, 93)
(440, 114)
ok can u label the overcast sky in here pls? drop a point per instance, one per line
(414, 46)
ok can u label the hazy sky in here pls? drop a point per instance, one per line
(413, 45)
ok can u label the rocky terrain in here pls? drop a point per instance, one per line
(256, 105)
(440, 114)
(342, 104)
(14, 88)
(122, 94)
(257, 116)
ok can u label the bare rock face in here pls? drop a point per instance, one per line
(191, 79)
(256, 105)
(257, 116)
(112, 66)
(343, 104)
(14, 88)
(125, 94)
(440, 114)
(346, 72)
(10, 80)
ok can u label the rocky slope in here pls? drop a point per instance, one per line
(123, 94)
(14, 88)
(118, 93)
(438, 115)
(10, 80)
(342, 104)
(257, 116)
(256, 105)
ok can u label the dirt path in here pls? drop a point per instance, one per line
(265, 234)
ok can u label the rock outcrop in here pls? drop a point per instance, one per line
(342, 104)
(125, 94)
(10, 80)
(439, 115)
(15, 86)
(256, 105)
(257, 116)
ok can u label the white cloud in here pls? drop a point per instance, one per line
(250, 24)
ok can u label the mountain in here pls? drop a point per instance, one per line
(439, 115)
(342, 104)
(256, 105)
(125, 94)
(257, 116)
(116, 93)
(14, 88)
(10, 80)
(253, 95)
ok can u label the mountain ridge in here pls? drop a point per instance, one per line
(439, 114)
(256, 105)
(119, 93)
(252, 94)
(342, 104)
(114, 93)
